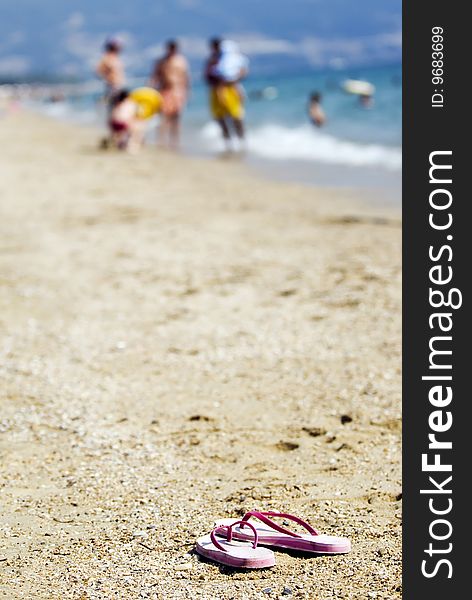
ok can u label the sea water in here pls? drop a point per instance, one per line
(357, 147)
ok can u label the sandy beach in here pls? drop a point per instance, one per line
(184, 341)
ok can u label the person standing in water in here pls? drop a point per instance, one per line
(171, 78)
(315, 112)
(366, 100)
(224, 71)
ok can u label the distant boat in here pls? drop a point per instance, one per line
(358, 87)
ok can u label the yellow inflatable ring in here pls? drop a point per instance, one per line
(149, 102)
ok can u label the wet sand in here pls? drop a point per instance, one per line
(182, 341)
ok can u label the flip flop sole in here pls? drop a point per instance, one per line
(242, 557)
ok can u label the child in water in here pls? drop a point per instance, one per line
(123, 123)
(316, 113)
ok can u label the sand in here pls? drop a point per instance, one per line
(184, 341)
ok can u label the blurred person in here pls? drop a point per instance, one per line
(230, 65)
(315, 111)
(126, 130)
(110, 68)
(215, 53)
(224, 71)
(364, 90)
(366, 100)
(171, 77)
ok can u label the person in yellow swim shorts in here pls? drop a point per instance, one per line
(226, 100)
(224, 70)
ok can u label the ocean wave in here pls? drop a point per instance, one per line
(278, 142)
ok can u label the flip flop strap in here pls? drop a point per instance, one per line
(263, 516)
(229, 534)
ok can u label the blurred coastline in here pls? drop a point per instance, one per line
(357, 148)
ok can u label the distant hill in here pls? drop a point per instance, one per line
(65, 36)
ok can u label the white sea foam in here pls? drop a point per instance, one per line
(279, 142)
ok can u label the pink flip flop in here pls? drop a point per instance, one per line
(234, 554)
(272, 534)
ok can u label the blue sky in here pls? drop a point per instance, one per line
(65, 36)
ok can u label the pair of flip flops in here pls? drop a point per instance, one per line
(228, 542)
